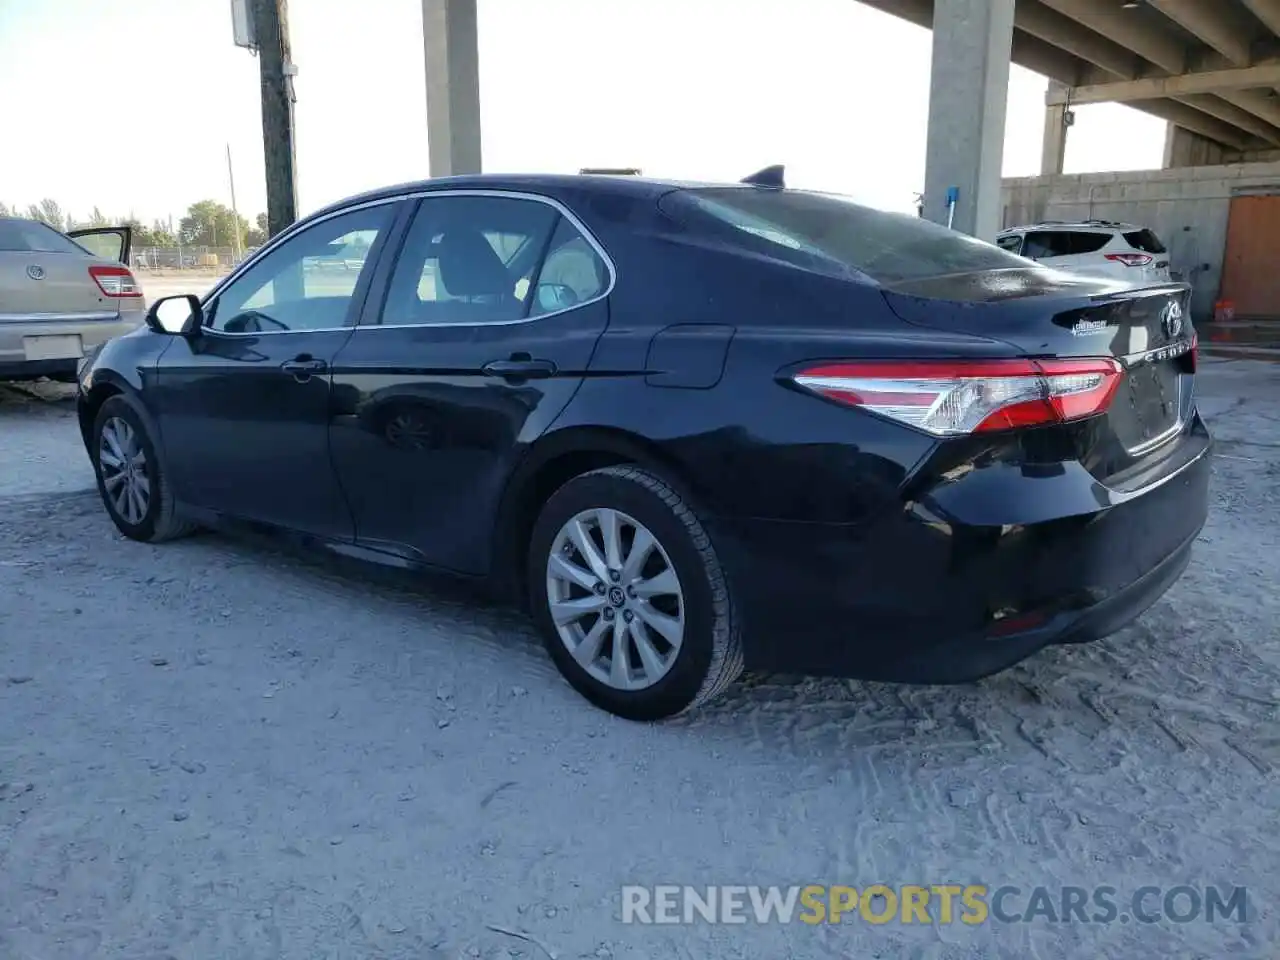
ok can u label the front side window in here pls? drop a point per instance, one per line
(306, 283)
(469, 259)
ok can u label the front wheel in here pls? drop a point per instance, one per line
(630, 597)
(131, 481)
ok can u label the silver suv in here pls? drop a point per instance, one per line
(1095, 247)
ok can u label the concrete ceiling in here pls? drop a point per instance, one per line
(1211, 66)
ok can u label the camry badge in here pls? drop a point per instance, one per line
(1171, 319)
(35, 272)
(1085, 327)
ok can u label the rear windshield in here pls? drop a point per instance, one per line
(32, 236)
(1145, 240)
(831, 233)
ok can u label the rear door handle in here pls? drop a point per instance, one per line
(522, 369)
(302, 367)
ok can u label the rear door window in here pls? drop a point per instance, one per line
(469, 260)
(1064, 243)
(833, 234)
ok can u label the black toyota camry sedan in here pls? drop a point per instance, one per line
(692, 427)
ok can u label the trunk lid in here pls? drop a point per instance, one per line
(1047, 313)
(46, 285)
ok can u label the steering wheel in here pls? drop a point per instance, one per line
(252, 321)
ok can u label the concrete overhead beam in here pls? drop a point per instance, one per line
(1192, 119)
(1044, 58)
(1257, 103)
(1063, 32)
(1127, 28)
(1210, 21)
(1029, 50)
(1230, 113)
(1156, 88)
(1268, 11)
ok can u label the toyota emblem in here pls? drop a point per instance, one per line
(35, 272)
(1171, 319)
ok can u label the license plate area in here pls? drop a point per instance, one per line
(1148, 409)
(53, 347)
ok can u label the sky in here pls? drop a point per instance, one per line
(130, 105)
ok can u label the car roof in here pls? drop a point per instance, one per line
(1096, 225)
(600, 184)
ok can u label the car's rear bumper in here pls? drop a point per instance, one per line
(921, 597)
(17, 335)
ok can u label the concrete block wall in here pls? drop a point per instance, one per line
(1187, 206)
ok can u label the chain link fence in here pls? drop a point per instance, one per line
(195, 258)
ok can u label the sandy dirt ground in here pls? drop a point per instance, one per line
(216, 749)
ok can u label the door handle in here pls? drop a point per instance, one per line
(303, 366)
(520, 368)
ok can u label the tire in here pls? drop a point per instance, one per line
(708, 656)
(159, 520)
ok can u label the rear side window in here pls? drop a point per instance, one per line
(1012, 242)
(1145, 240)
(32, 236)
(832, 234)
(1064, 243)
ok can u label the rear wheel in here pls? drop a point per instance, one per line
(131, 481)
(630, 596)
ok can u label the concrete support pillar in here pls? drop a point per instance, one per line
(968, 96)
(1054, 151)
(1185, 148)
(453, 86)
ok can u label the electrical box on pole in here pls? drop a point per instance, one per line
(242, 31)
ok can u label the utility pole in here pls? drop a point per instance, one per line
(271, 36)
(235, 211)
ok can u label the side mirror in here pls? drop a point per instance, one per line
(179, 315)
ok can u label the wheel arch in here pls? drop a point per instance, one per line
(103, 389)
(551, 462)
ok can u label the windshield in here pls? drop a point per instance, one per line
(831, 233)
(32, 236)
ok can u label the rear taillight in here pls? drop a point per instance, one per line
(952, 398)
(115, 281)
(1131, 259)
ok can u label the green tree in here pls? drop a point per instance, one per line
(160, 235)
(4, 210)
(212, 224)
(49, 211)
(257, 234)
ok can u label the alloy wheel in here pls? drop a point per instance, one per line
(124, 470)
(615, 599)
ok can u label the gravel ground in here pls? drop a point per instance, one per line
(215, 749)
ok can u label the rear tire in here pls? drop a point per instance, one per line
(131, 478)
(660, 596)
